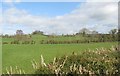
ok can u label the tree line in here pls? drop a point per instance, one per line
(21, 38)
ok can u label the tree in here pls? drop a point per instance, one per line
(19, 32)
(37, 32)
(119, 34)
(84, 31)
(19, 35)
(113, 33)
(94, 32)
(6, 36)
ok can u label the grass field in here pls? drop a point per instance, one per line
(38, 38)
(21, 55)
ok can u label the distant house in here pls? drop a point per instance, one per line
(19, 32)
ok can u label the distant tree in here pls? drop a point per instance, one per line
(84, 31)
(6, 36)
(113, 33)
(94, 32)
(19, 35)
(37, 32)
(53, 35)
(62, 34)
(119, 34)
(19, 32)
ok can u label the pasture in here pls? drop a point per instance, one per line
(21, 55)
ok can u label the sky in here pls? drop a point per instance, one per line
(58, 17)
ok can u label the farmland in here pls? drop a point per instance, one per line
(60, 38)
(20, 50)
(21, 55)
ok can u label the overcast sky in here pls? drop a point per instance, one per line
(58, 17)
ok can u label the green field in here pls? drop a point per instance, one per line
(21, 55)
(39, 38)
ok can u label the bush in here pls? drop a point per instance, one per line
(15, 42)
(97, 62)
